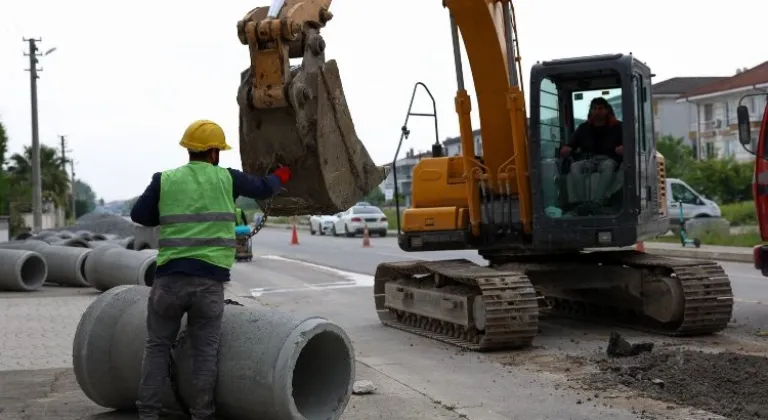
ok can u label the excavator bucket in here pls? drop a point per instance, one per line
(315, 137)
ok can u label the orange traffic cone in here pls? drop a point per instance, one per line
(295, 236)
(640, 246)
(366, 238)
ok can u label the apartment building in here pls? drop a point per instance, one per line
(673, 118)
(715, 129)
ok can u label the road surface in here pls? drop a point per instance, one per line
(332, 276)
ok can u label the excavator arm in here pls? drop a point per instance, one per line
(298, 116)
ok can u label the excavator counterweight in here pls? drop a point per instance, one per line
(298, 116)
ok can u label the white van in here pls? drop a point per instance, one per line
(694, 204)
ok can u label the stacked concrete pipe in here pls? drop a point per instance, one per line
(21, 270)
(66, 265)
(272, 365)
(110, 266)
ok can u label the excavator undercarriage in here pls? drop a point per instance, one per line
(498, 306)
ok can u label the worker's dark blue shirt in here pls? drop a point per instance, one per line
(146, 212)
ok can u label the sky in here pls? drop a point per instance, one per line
(125, 81)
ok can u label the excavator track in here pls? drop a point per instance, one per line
(707, 297)
(511, 310)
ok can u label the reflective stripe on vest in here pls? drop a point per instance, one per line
(198, 218)
(184, 242)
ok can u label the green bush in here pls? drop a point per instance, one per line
(740, 214)
(747, 239)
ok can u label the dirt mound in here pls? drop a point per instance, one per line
(729, 384)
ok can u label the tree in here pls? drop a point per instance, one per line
(724, 180)
(678, 156)
(55, 181)
(85, 198)
(375, 197)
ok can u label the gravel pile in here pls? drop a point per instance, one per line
(103, 223)
(729, 384)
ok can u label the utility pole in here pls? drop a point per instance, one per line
(74, 195)
(64, 162)
(37, 187)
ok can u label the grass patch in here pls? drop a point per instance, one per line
(740, 214)
(747, 239)
(392, 217)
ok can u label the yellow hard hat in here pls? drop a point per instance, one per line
(204, 135)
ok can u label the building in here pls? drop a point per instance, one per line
(452, 145)
(404, 168)
(673, 118)
(715, 130)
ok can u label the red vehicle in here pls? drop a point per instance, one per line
(758, 147)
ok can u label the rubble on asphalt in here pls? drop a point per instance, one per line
(732, 385)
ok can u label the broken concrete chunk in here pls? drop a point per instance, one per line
(619, 347)
(363, 387)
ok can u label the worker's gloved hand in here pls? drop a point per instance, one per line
(565, 151)
(283, 173)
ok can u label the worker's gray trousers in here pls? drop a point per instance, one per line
(203, 301)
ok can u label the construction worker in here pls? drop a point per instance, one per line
(195, 209)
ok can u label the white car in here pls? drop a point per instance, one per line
(322, 224)
(353, 221)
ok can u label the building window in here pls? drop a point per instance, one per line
(710, 150)
(709, 113)
(655, 107)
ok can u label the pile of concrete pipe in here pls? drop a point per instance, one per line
(81, 239)
(272, 365)
(26, 265)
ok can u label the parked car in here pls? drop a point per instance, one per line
(694, 204)
(353, 221)
(322, 223)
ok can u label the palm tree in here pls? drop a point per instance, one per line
(55, 181)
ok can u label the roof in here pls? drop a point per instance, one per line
(457, 139)
(681, 85)
(754, 76)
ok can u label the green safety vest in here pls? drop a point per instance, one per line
(197, 215)
(240, 217)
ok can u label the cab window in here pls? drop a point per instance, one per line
(681, 193)
(582, 99)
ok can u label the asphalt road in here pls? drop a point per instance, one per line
(332, 277)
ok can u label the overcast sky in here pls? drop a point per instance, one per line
(127, 79)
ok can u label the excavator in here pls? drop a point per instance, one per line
(553, 241)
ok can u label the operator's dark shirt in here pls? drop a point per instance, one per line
(146, 212)
(598, 140)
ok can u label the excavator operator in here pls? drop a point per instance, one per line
(195, 209)
(600, 139)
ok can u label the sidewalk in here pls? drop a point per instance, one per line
(38, 382)
(706, 252)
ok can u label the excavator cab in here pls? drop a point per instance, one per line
(593, 196)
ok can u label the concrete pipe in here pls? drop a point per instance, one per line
(74, 242)
(66, 265)
(84, 235)
(272, 365)
(145, 237)
(99, 244)
(111, 266)
(126, 243)
(105, 237)
(21, 270)
(65, 234)
(22, 236)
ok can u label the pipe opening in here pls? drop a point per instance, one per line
(33, 271)
(322, 376)
(82, 267)
(149, 274)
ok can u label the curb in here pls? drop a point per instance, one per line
(737, 255)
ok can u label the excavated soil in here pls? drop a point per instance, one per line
(729, 384)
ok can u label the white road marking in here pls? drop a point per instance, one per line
(756, 302)
(353, 279)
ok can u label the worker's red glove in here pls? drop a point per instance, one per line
(283, 173)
